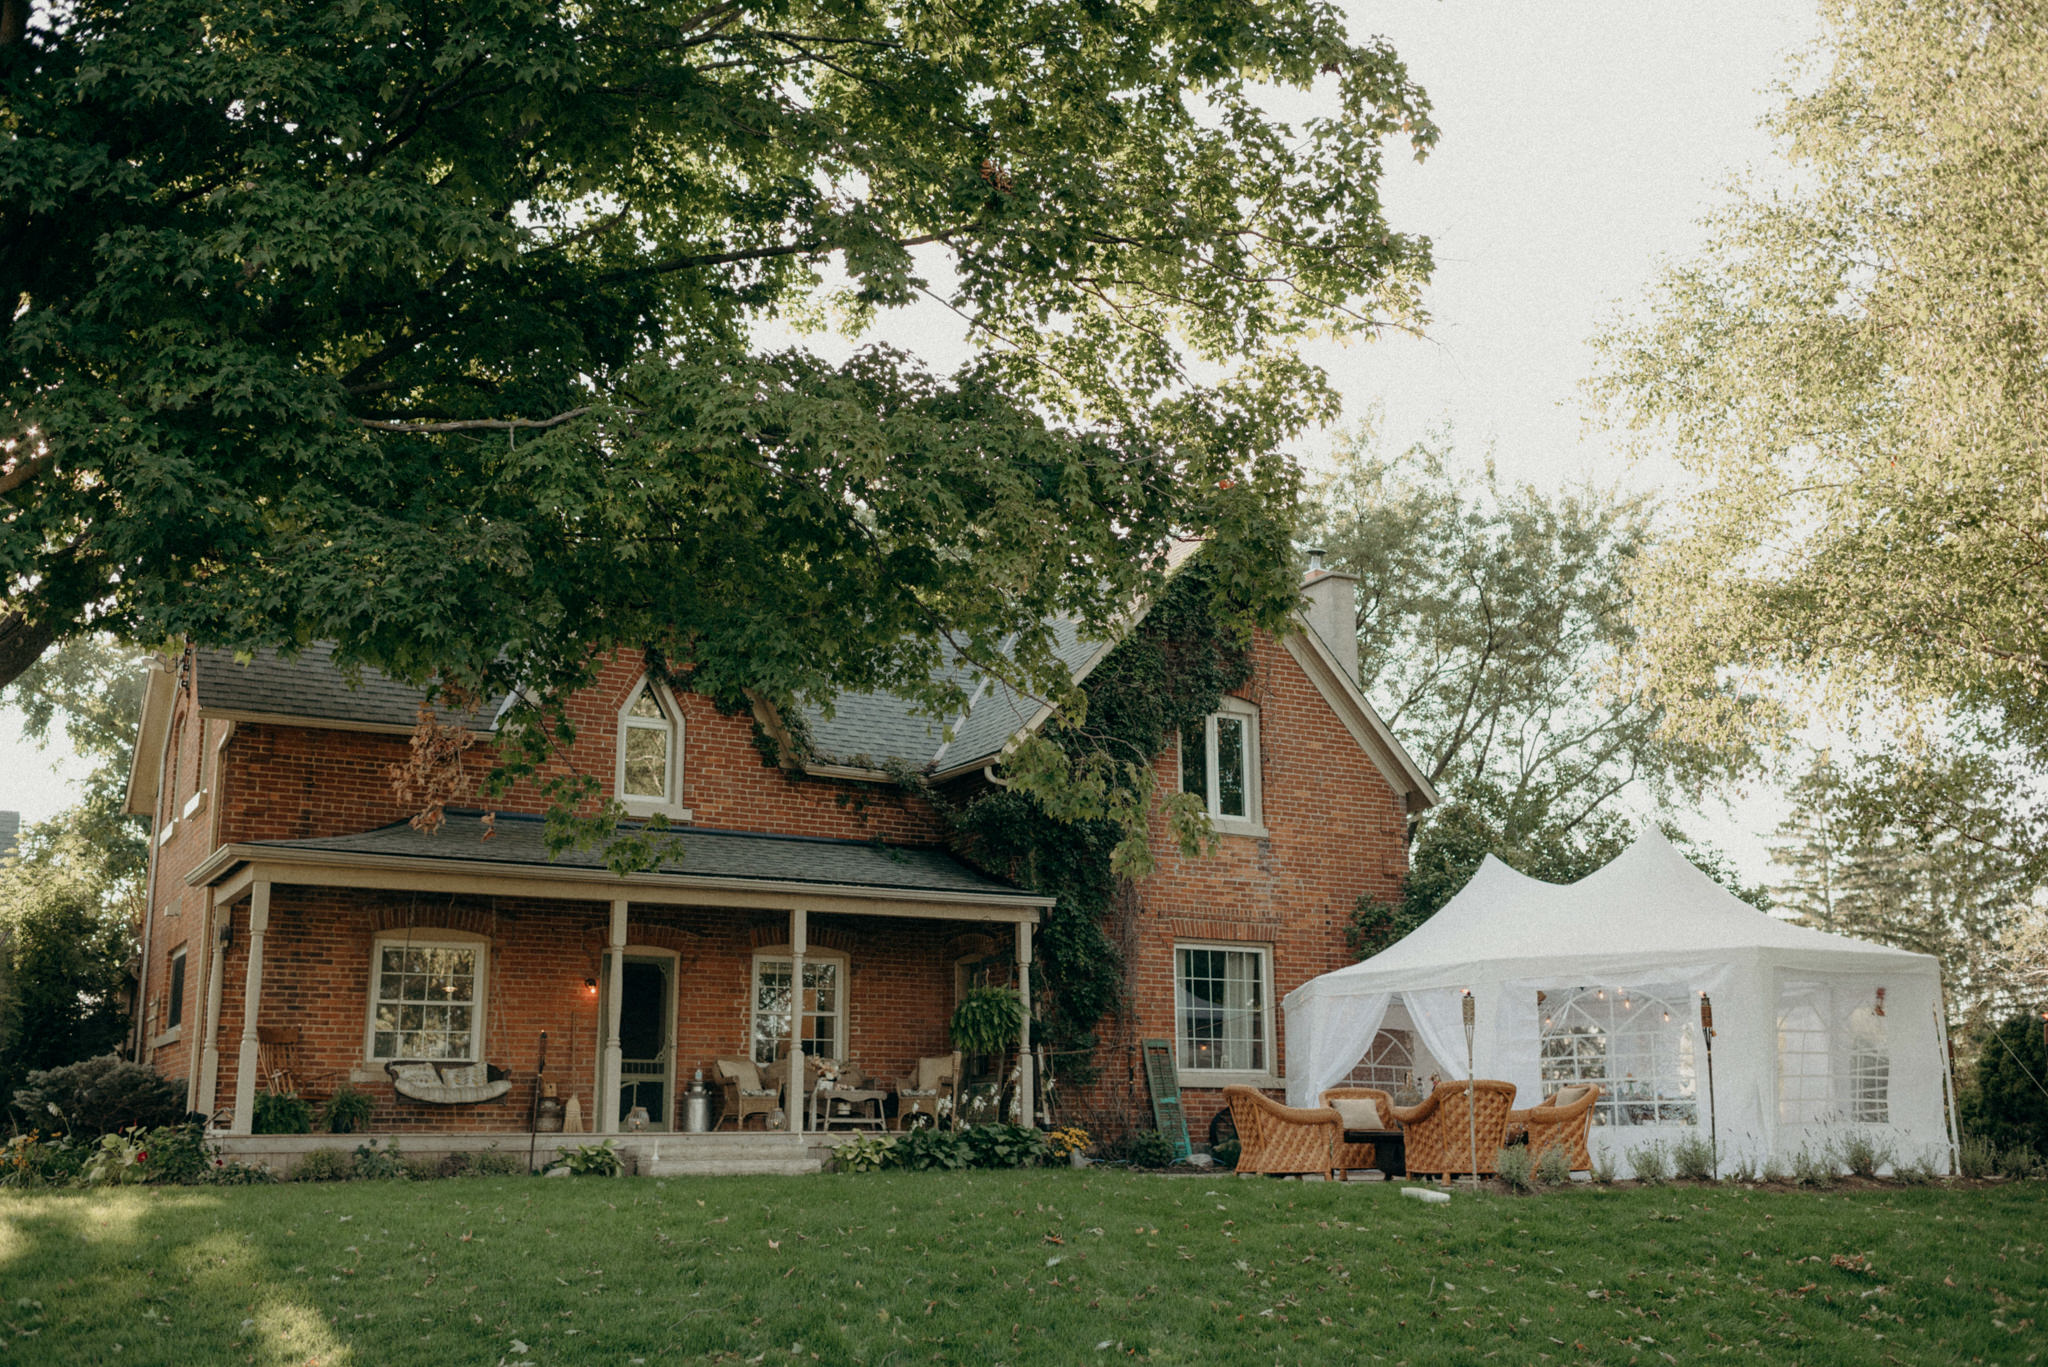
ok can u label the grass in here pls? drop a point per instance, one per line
(1013, 1268)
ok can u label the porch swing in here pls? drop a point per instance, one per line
(450, 1084)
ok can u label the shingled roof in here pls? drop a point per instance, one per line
(868, 731)
(700, 853)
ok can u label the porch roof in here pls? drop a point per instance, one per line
(715, 867)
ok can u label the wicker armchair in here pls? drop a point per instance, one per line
(747, 1093)
(921, 1092)
(1350, 1156)
(1283, 1139)
(1439, 1138)
(1560, 1122)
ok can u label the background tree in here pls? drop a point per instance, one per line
(435, 331)
(1860, 868)
(70, 895)
(1851, 372)
(1492, 624)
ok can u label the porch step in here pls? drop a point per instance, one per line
(726, 1156)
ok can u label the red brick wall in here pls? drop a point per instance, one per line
(317, 966)
(1336, 830)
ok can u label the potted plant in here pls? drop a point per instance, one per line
(348, 1110)
(990, 1020)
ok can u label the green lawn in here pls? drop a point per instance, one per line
(990, 1268)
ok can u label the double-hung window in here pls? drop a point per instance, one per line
(426, 1000)
(1220, 763)
(174, 996)
(822, 1032)
(1222, 1015)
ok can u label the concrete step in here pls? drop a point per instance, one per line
(763, 1165)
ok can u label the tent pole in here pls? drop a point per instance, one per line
(1471, 1093)
(1707, 1034)
(1948, 1075)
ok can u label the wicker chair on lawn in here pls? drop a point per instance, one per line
(1348, 1103)
(1562, 1121)
(1439, 1136)
(746, 1092)
(1279, 1139)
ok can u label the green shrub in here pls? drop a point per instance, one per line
(175, 1153)
(280, 1114)
(1515, 1168)
(1554, 1167)
(347, 1111)
(1226, 1154)
(1005, 1146)
(862, 1153)
(594, 1160)
(1650, 1162)
(1816, 1167)
(1744, 1168)
(1143, 1149)
(221, 1173)
(99, 1096)
(491, 1163)
(1604, 1169)
(34, 1160)
(324, 1165)
(2018, 1160)
(1976, 1156)
(1693, 1158)
(1863, 1153)
(1776, 1169)
(380, 1164)
(115, 1161)
(1916, 1173)
(928, 1151)
(2003, 1101)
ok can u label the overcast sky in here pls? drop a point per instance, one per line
(1582, 141)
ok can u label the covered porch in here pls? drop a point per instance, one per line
(470, 958)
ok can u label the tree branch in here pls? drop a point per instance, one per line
(24, 471)
(481, 424)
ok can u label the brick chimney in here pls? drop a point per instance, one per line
(1330, 603)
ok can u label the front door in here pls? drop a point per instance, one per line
(646, 1040)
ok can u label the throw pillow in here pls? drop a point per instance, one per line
(1360, 1113)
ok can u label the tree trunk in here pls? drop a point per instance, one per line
(22, 643)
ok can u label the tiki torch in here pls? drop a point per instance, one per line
(1707, 1034)
(1471, 1070)
(540, 1074)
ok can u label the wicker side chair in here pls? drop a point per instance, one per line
(1440, 1139)
(1279, 1139)
(1351, 1156)
(920, 1093)
(746, 1092)
(1561, 1121)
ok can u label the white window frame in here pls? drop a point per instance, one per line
(1253, 820)
(636, 804)
(1654, 1021)
(780, 954)
(1192, 1076)
(438, 939)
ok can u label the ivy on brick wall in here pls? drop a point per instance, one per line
(1167, 675)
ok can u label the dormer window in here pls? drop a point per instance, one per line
(1220, 765)
(650, 769)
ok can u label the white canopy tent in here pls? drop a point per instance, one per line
(1600, 980)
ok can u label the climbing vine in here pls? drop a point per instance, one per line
(1165, 677)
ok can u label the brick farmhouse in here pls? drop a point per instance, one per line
(294, 912)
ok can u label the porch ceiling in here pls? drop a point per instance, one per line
(713, 868)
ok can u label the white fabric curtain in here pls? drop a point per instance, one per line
(1326, 1037)
(1439, 1016)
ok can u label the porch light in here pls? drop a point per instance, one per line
(590, 986)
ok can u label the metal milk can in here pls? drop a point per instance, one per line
(697, 1106)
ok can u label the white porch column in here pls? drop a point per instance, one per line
(1026, 1093)
(798, 1094)
(607, 1107)
(252, 996)
(206, 1073)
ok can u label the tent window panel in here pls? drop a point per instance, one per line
(1630, 1041)
(1834, 1057)
(1220, 1008)
(1388, 1064)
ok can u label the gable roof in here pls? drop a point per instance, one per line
(865, 734)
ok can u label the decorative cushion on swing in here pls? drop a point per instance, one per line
(456, 1084)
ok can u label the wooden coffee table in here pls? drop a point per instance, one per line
(863, 1107)
(1389, 1155)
